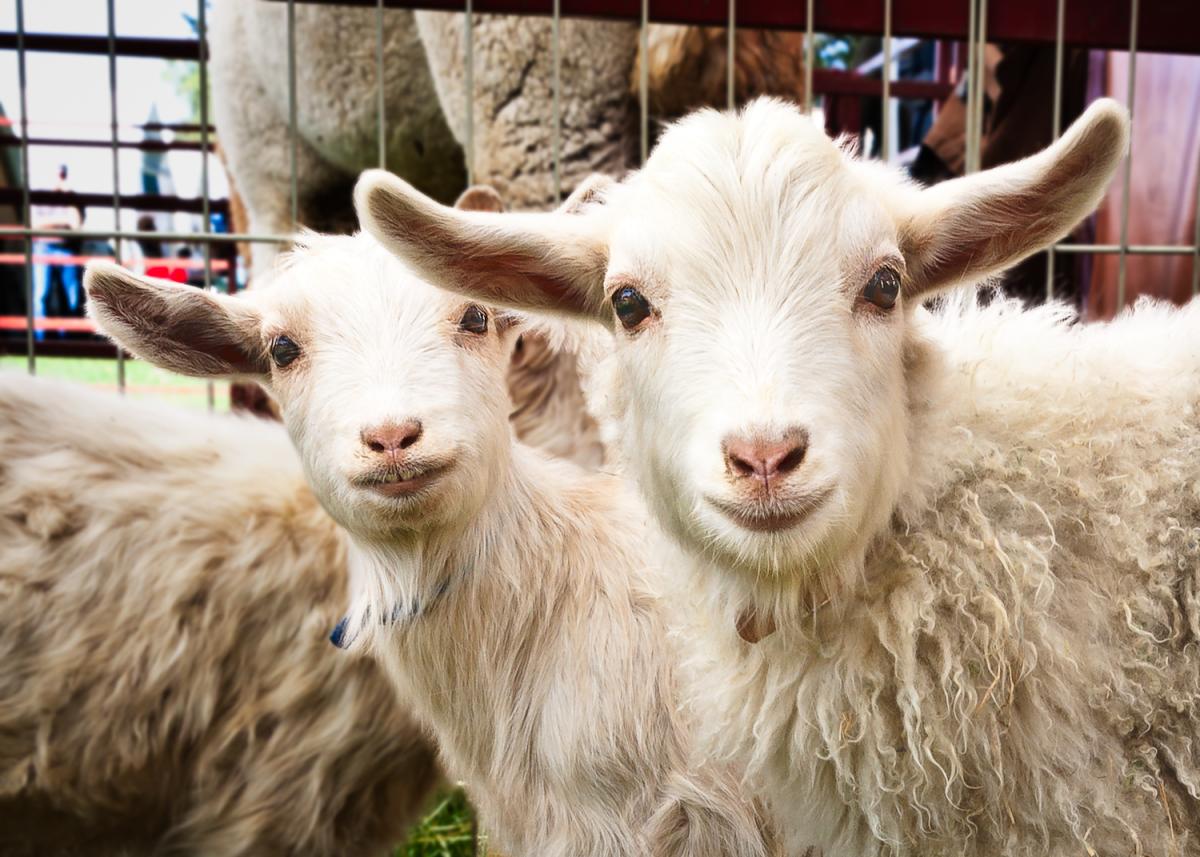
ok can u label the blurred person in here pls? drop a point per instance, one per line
(50, 264)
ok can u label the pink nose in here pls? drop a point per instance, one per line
(391, 438)
(766, 460)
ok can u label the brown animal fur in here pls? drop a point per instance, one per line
(167, 585)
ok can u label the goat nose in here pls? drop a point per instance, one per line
(390, 438)
(764, 458)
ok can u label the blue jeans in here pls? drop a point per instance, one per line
(43, 280)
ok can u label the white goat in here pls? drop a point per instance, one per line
(506, 592)
(167, 587)
(967, 543)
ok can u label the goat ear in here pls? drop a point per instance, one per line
(479, 197)
(550, 262)
(590, 190)
(970, 228)
(180, 328)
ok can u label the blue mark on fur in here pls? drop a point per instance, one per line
(399, 614)
(338, 635)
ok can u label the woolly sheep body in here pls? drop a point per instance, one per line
(336, 112)
(167, 587)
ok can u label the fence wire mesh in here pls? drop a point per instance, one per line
(887, 66)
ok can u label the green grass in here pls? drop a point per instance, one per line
(142, 381)
(447, 831)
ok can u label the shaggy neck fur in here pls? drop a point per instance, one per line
(1014, 667)
(540, 663)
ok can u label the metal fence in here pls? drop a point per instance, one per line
(1165, 25)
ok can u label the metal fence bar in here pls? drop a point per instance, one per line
(379, 72)
(251, 238)
(26, 209)
(469, 85)
(1056, 123)
(1130, 249)
(1196, 240)
(134, 235)
(293, 130)
(556, 97)
(69, 143)
(972, 90)
(980, 80)
(644, 82)
(206, 213)
(885, 101)
(810, 55)
(1125, 182)
(730, 55)
(116, 162)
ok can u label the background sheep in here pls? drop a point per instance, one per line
(506, 591)
(167, 588)
(336, 112)
(967, 545)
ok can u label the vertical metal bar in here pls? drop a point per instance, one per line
(26, 209)
(731, 54)
(469, 52)
(810, 55)
(293, 132)
(206, 224)
(556, 100)
(644, 82)
(972, 92)
(981, 82)
(379, 73)
(1056, 122)
(885, 103)
(1133, 28)
(116, 163)
(1196, 239)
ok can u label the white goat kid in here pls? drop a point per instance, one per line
(505, 591)
(967, 543)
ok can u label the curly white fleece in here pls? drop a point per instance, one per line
(1018, 669)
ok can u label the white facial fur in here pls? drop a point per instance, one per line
(378, 348)
(758, 328)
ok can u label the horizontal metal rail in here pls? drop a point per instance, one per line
(124, 46)
(143, 145)
(133, 235)
(1132, 249)
(139, 201)
(1168, 26)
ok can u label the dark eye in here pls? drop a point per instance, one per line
(631, 307)
(474, 320)
(882, 289)
(284, 351)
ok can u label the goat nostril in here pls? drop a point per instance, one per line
(375, 446)
(739, 464)
(792, 460)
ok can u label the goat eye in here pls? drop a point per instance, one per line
(474, 320)
(631, 307)
(882, 289)
(284, 351)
